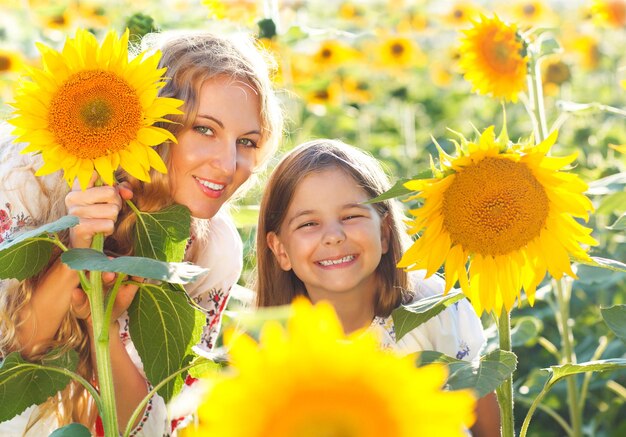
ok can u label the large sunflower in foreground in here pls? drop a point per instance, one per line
(311, 381)
(493, 58)
(89, 107)
(509, 210)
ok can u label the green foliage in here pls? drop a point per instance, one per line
(24, 383)
(615, 318)
(482, 377)
(89, 259)
(163, 235)
(28, 253)
(409, 317)
(164, 327)
(71, 430)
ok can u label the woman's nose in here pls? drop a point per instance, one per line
(225, 158)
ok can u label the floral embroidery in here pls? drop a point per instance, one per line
(11, 224)
(145, 417)
(213, 302)
(463, 351)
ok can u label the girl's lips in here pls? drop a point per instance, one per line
(210, 188)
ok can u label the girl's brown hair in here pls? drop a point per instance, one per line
(277, 287)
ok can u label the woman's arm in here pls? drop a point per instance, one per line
(487, 417)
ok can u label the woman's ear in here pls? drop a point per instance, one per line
(278, 249)
(385, 232)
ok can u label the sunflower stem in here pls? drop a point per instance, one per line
(568, 354)
(505, 391)
(100, 327)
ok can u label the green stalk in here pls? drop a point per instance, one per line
(563, 293)
(562, 297)
(102, 350)
(505, 391)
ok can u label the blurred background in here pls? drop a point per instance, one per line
(383, 75)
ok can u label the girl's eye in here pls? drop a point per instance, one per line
(246, 142)
(353, 216)
(204, 130)
(306, 225)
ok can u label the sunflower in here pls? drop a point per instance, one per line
(310, 381)
(91, 108)
(10, 61)
(333, 54)
(611, 13)
(532, 13)
(493, 58)
(509, 210)
(460, 13)
(400, 52)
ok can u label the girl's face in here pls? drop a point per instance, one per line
(331, 240)
(218, 152)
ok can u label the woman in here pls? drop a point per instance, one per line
(230, 127)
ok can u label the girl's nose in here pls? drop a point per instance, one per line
(334, 234)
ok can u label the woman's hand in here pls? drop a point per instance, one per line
(97, 209)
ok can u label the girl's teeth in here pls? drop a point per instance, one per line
(345, 259)
(211, 185)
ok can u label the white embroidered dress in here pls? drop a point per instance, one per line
(27, 201)
(456, 331)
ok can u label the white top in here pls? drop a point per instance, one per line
(456, 331)
(27, 201)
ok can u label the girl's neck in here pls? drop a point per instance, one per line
(354, 312)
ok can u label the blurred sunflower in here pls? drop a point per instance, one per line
(11, 61)
(328, 94)
(586, 49)
(493, 58)
(509, 210)
(531, 13)
(554, 73)
(333, 53)
(90, 108)
(309, 381)
(235, 10)
(461, 13)
(400, 52)
(611, 13)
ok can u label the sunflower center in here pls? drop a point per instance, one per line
(327, 53)
(494, 207)
(397, 49)
(95, 113)
(529, 10)
(5, 63)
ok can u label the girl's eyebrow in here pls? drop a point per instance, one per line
(300, 214)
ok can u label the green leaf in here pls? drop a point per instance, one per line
(164, 327)
(398, 190)
(549, 46)
(72, 430)
(408, 317)
(482, 377)
(203, 367)
(25, 256)
(23, 383)
(612, 203)
(620, 223)
(563, 370)
(615, 318)
(89, 259)
(525, 331)
(609, 184)
(604, 263)
(163, 235)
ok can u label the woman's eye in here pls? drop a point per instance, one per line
(353, 216)
(204, 130)
(306, 225)
(246, 142)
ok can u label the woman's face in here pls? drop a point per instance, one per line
(217, 153)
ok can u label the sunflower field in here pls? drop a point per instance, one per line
(503, 125)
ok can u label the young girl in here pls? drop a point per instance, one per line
(230, 127)
(317, 238)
